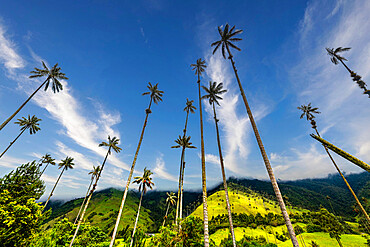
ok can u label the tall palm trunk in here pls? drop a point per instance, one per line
(20, 108)
(265, 158)
(342, 153)
(350, 71)
(137, 219)
(130, 175)
(345, 181)
(165, 217)
(83, 202)
(179, 193)
(204, 178)
(182, 188)
(44, 170)
(55, 185)
(224, 177)
(89, 198)
(12, 143)
(339, 242)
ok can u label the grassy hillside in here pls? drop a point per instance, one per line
(246, 196)
(103, 210)
(241, 202)
(312, 193)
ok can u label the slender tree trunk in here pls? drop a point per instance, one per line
(55, 185)
(44, 170)
(89, 198)
(12, 143)
(345, 181)
(339, 242)
(224, 178)
(181, 177)
(350, 71)
(15, 113)
(129, 177)
(204, 178)
(165, 217)
(182, 188)
(137, 218)
(83, 202)
(179, 191)
(302, 240)
(265, 158)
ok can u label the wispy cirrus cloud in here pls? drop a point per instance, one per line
(8, 55)
(160, 170)
(11, 162)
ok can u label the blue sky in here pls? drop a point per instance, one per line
(110, 50)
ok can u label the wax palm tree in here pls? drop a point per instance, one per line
(48, 160)
(155, 96)
(93, 173)
(30, 123)
(342, 153)
(171, 200)
(188, 108)
(111, 144)
(66, 164)
(212, 94)
(183, 142)
(308, 111)
(144, 182)
(199, 67)
(52, 76)
(226, 41)
(335, 57)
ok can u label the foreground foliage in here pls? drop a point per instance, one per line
(20, 215)
(61, 233)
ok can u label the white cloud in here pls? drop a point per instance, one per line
(160, 170)
(11, 162)
(8, 56)
(80, 160)
(211, 158)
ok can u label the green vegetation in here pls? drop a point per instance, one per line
(20, 216)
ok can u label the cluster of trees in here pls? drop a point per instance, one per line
(246, 220)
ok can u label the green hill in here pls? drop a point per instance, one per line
(247, 196)
(103, 211)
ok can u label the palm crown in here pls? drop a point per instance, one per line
(227, 37)
(171, 198)
(199, 66)
(112, 144)
(67, 163)
(144, 181)
(155, 94)
(30, 123)
(183, 141)
(94, 171)
(308, 111)
(53, 76)
(213, 92)
(47, 159)
(189, 106)
(334, 54)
